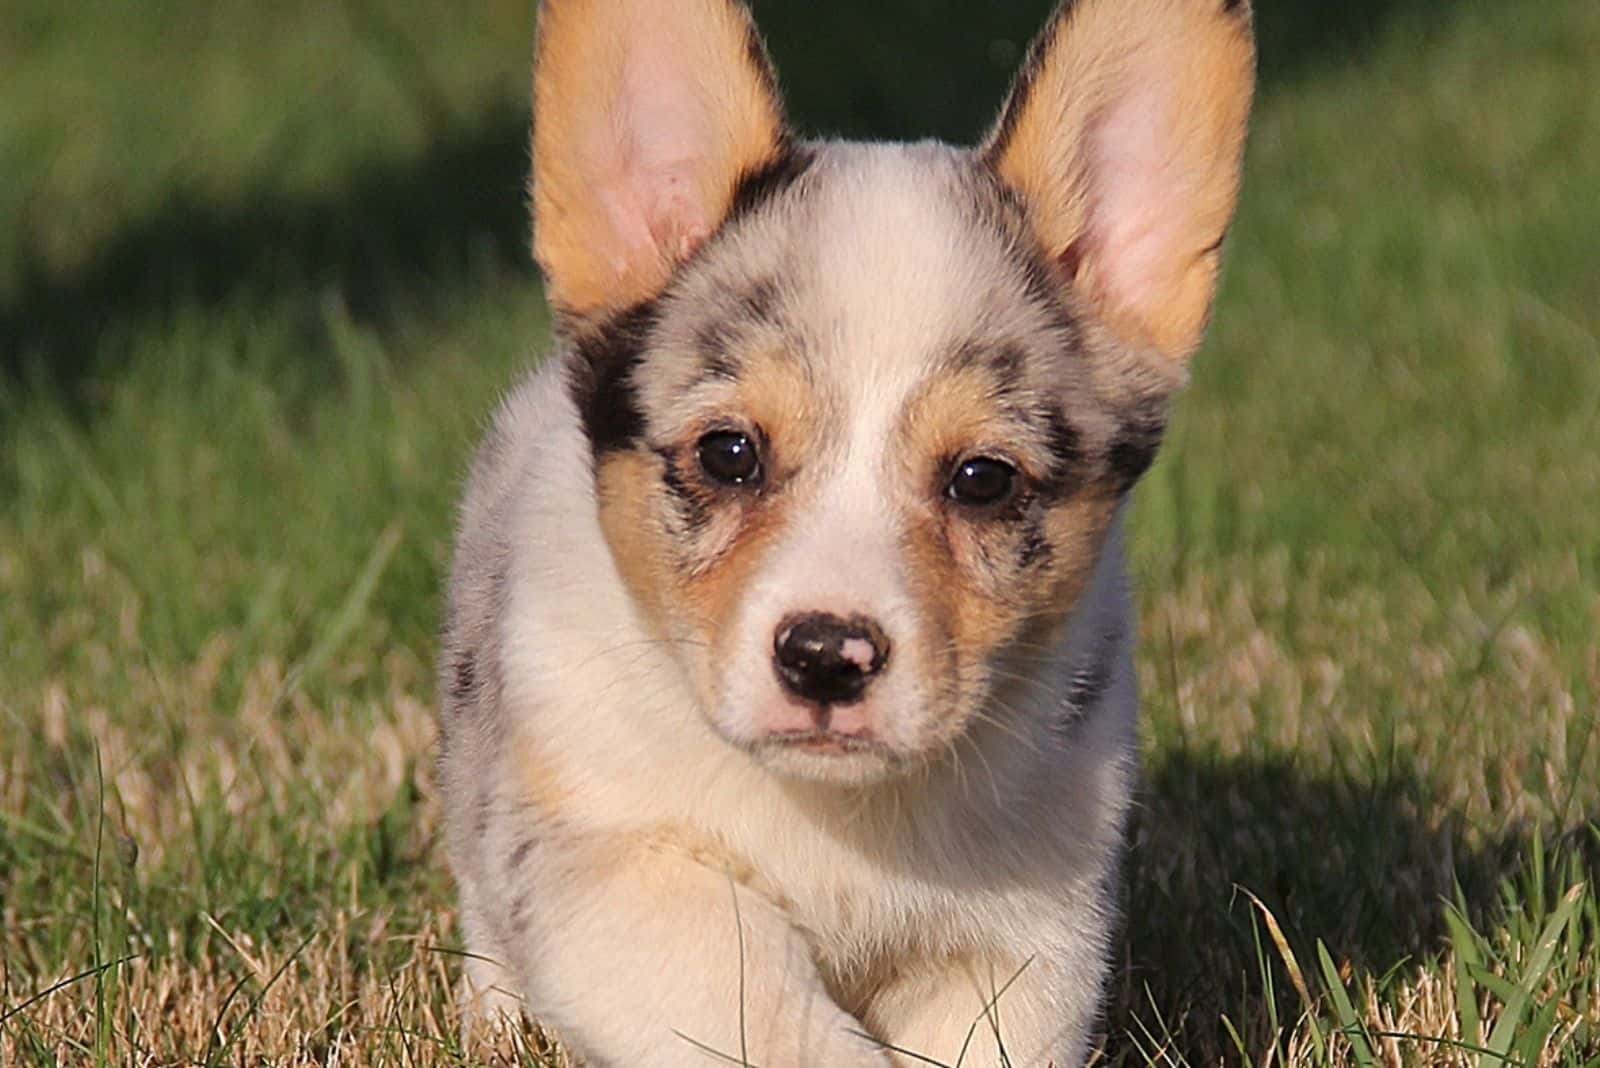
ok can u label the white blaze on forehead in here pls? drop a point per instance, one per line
(888, 274)
(892, 272)
(901, 273)
(885, 271)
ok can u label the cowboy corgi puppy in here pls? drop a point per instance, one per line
(788, 700)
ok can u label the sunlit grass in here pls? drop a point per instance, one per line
(252, 324)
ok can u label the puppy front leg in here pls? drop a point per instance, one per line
(982, 1017)
(642, 958)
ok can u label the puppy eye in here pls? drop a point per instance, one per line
(982, 481)
(729, 457)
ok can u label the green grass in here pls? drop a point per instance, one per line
(261, 284)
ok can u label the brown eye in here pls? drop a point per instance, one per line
(729, 457)
(982, 481)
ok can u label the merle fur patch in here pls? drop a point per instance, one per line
(718, 336)
(1089, 683)
(601, 378)
(1092, 676)
(691, 505)
(464, 675)
(759, 186)
(1137, 440)
(1066, 455)
(1035, 548)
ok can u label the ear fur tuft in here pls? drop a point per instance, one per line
(1124, 135)
(647, 116)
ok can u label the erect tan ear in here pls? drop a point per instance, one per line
(646, 115)
(1124, 134)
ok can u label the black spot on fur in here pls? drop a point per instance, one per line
(1035, 548)
(464, 679)
(692, 506)
(757, 187)
(714, 340)
(972, 354)
(1047, 291)
(1134, 448)
(998, 208)
(480, 815)
(1092, 676)
(1090, 680)
(1007, 360)
(1066, 455)
(759, 303)
(1065, 444)
(519, 855)
(717, 338)
(602, 383)
(1130, 457)
(967, 355)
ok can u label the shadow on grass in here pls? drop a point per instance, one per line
(395, 235)
(405, 231)
(1357, 866)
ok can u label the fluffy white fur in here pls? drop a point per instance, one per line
(992, 868)
(639, 869)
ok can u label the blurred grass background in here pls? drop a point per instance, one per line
(263, 273)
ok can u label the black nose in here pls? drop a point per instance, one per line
(826, 659)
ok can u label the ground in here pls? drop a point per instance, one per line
(261, 280)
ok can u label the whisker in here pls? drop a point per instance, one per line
(983, 716)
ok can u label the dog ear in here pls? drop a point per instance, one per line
(647, 113)
(1123, 136)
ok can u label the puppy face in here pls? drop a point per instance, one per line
(861, 415)
(856, 453)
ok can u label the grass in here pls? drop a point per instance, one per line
(262, 285)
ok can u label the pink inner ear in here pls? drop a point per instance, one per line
(1140, 195)
(677, 216)
(652, 149)
(653, 217)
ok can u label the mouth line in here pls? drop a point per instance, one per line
(824, 743)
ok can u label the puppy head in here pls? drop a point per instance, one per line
(861, 415)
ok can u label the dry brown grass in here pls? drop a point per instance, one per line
(1367, 558)
(332, 965)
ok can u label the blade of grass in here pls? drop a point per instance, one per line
(348, 615)
(1504, 1034)
(1350, 1023)
(984, 1014)
(220, 1054)
(88, 973)
(1464, 941)
(1296, 977)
